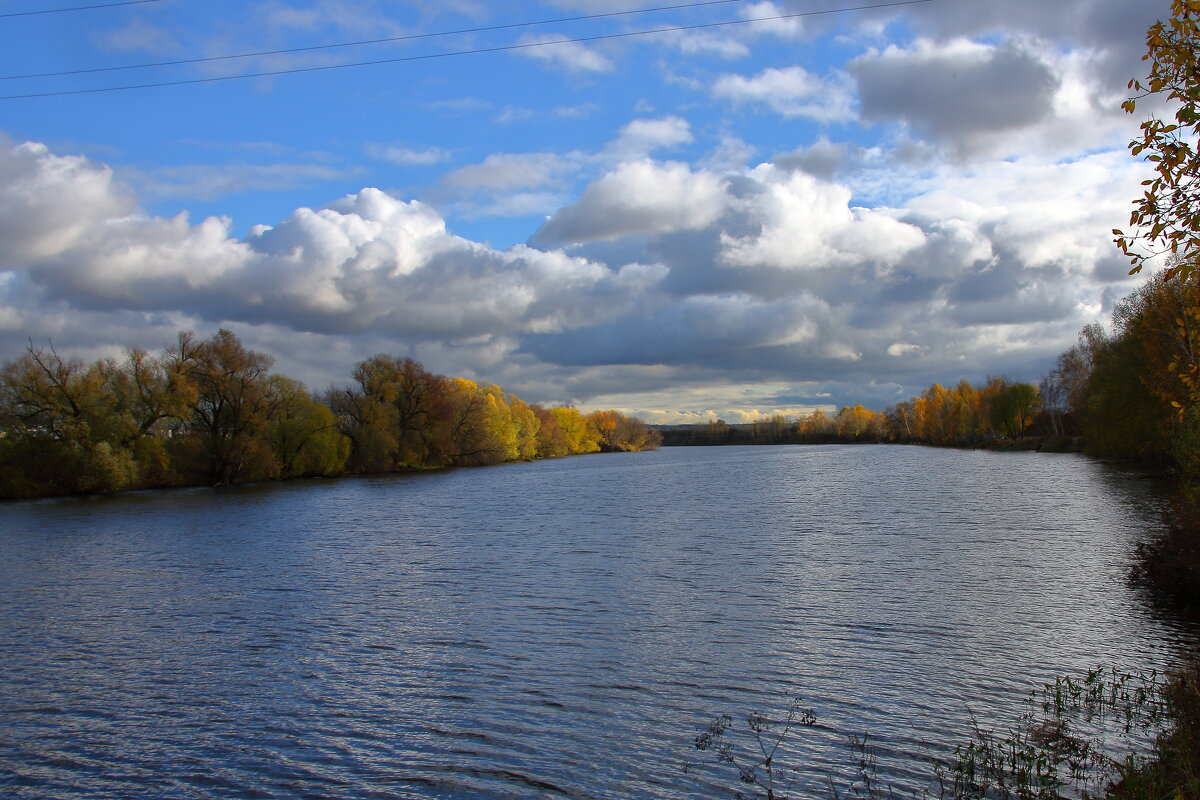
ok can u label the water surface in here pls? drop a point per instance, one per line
(558, 628)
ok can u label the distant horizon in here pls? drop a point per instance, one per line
(723, 222)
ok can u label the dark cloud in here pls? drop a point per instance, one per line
(954, 94)
(696, 330)
(1112, 26)
(823, 159)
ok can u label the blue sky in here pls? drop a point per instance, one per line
(734, 220)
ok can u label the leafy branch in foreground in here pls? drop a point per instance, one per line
(1166, 219)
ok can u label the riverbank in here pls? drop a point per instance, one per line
(209, 413)
(14, 490)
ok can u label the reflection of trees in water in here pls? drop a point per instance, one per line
(1167, 564)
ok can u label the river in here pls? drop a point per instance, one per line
(558, 628)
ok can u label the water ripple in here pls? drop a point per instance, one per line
(555, 629)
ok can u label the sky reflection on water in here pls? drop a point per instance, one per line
(553, 628)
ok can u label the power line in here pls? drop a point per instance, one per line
(478, 51)
(77, 8)
(407, 38)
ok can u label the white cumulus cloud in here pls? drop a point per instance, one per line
(637, 197)
(791, 92)
(641, 137)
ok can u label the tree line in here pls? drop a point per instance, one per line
(211, 411)
(1132, 391)
(963, 416)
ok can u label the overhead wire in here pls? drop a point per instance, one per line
(389, 39)
(455, 53)
(76, 8)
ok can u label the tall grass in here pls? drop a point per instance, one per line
(1107, 734)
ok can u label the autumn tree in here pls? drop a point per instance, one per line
(857, 423)
(387, 414)
(62, 427)
(616, 432)
(1065, 388)
(901, 421)
(968, 413)
(1142, 397)
(771, 430)
(367, 425)
(406, 391)
(473, 425)
(303, 432)
(153, 396)
(525, 424)
(232, 408)
(562, 431)
(1013, 407)
(210, 411)
(717, 431)
(61, 398)
(934, 418)
(1166, 219)
(579, 436)
(551, 440)
(815, 427)
(605, 426)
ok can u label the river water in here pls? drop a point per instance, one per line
(559, 628)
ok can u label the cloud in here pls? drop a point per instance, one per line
(48, 203)
(799, 222)
(408, 156)
(823, 159)
(730, 155)
(510, 204)
(957, 91)
(694, 330)
(785, 28)
(353, 16)
(510, 185)
(637, 197)
(139, 36)
(210, 181)
(939, 204)
(700, 403)
(790, 92)
(785, 276)
(672, 276)
(556, 49)
(1111, 29)
(509, 171)
(1029, 78)
(707, 43)
(592, 6)
(459, 105)
(513, 114)
(901, 349)
(522, 184)
(368, 262)
(641, 137)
